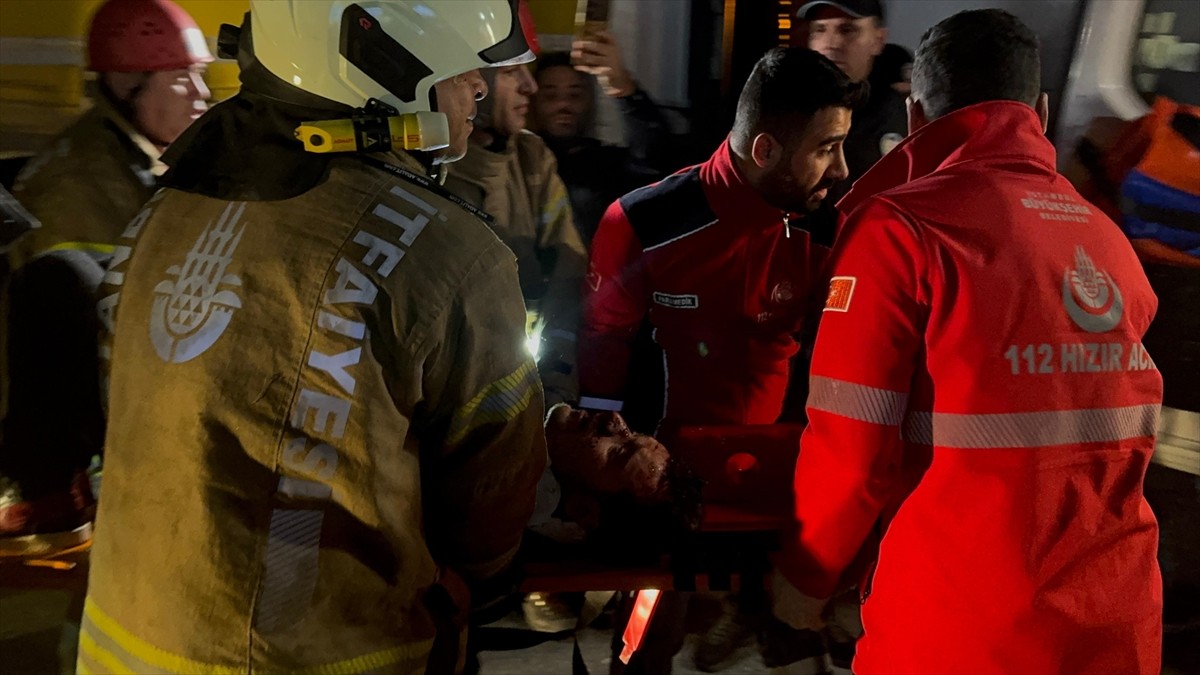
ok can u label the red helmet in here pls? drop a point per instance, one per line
(129, 36)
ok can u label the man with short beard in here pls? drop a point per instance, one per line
(511, 174)
(853, 34)
(720, 259)
(564, 110)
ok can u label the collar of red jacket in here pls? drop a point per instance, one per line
(729, 195)
(982, 131)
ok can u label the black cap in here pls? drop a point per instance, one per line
(855, 8)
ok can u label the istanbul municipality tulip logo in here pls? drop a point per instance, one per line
(1090, 296)
(193, 310)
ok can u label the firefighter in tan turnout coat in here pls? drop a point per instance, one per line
(324, 428)
(512, 175)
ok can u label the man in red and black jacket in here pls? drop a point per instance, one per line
(720, 258)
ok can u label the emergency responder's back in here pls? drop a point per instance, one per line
(1031, 414)
(322, 417)
(294, 367)
(1023, 227)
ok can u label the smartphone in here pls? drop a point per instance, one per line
(591, 17)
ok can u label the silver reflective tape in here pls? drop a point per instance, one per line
(918, 428)
(101, 654)
(290, 568)
(857, 401)
(1032, 429)
(592, 403)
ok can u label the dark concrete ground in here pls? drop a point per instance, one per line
(39, 608)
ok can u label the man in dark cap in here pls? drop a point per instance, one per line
(851, 33)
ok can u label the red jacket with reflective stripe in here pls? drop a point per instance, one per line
(724, 283)
(978, 382)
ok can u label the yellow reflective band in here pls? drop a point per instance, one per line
(371, 662)
(555, 205)
(146, 652)
(107, 661)
(83, 665)
(84, 246)
(500, 401)
(151, 658)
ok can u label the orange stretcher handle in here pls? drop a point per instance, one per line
(639, 621)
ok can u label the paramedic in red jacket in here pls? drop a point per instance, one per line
(979, 381)
(721, 257)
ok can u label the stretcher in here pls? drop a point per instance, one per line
(746, 475)
(746, 495)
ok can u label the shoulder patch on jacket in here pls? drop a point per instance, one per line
(668, 210)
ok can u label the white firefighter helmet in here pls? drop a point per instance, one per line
(390, 50)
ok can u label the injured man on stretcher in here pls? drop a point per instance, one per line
(601, 474)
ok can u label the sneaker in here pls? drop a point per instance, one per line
(731, 632)
(548, 613)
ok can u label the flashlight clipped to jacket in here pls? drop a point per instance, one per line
(366, 132)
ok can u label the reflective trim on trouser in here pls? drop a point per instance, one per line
(982, 430)
(106, 647)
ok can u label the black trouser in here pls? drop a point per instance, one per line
(55, 422)
(1175, 498)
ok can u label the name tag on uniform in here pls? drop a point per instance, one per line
(677, 301)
